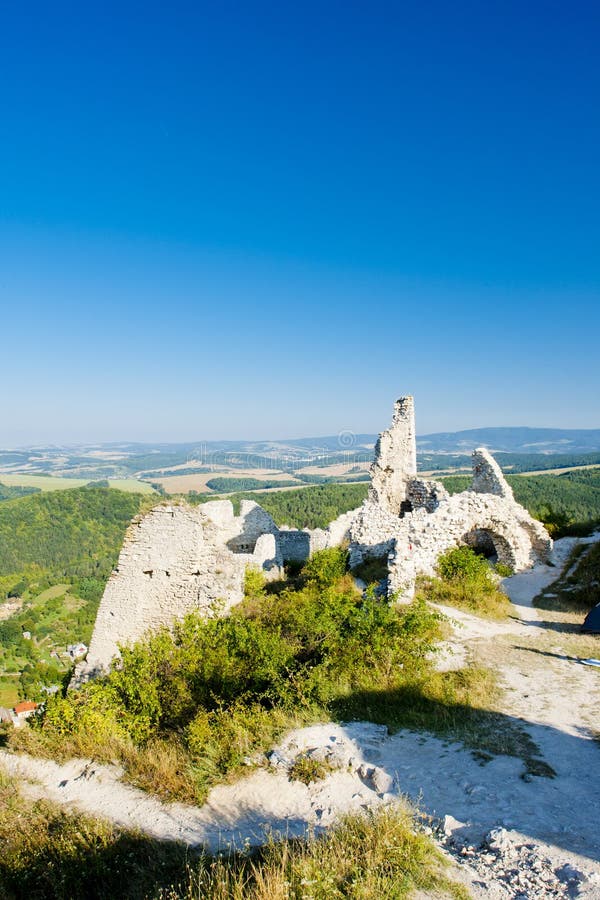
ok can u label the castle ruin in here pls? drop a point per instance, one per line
(412, 521)
(178, 558)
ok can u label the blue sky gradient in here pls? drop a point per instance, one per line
(269, 220)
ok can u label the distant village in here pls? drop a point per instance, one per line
(23, 710)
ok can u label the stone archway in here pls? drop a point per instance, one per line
(492, 545)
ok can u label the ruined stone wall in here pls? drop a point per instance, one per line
(487, 475)
(486, 513)
(336, 533)
(174, 560)
(179, 558)
(294, 545)
(425, 494)
(395, 458)
(467, 518)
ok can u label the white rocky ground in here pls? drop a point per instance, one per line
(512, 836)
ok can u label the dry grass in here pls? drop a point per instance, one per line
(485, 600)
(370, 856)
(48, 853)
(577, 589)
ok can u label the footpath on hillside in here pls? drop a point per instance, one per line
(513, 834)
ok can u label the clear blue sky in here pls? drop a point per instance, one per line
(258, 219)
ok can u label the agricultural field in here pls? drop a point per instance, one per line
(183, 484)
(58, 483)
(335, 470)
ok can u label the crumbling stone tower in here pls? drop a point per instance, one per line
(395, 460)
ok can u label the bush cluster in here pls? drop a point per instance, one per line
(467, 580)
(221, 689)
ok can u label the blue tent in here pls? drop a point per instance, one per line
(591, 622)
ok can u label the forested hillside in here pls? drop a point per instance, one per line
(74, 533)
(310, 507)
(56, 552)
(573, 496)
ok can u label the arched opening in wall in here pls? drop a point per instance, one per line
(491, 545)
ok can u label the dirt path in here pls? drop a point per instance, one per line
(513, 836)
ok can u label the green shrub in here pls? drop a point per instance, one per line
(307, 769)
(254, 582)
(468, 581)
(325, 567)
(213, 691)
(462, 562)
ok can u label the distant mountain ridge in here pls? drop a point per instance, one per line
(512, 440)
(435, 452)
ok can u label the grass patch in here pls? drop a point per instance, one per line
(9, 690)
(456, 705)
(379, 854)
(49, 854)
(578, 587)
(467, 581)
(71, 857)
(308, 769)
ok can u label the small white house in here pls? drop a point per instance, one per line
(77, 650)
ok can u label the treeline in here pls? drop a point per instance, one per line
(334, 479)
(226, 485)
(534, 462)
(572, 496)
(310, 507)
(512, 463)
(10, 492)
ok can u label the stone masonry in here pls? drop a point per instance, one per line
(178, 558)
(395, 459)
(412, 521)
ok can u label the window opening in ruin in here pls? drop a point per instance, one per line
(237, 546)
